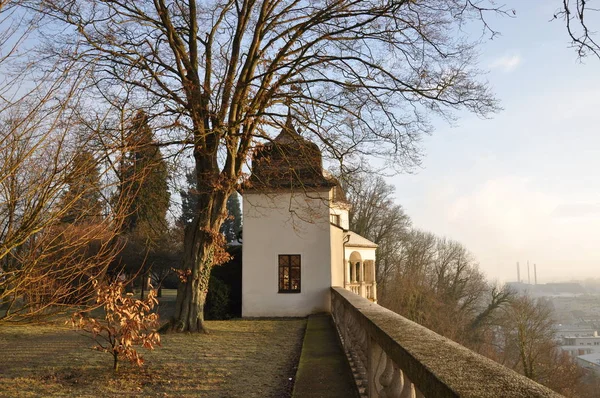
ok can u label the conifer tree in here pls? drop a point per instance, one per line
(82, 198)
(143, 189)
(232, 225)
(188, 200)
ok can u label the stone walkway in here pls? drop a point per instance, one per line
(323, 371)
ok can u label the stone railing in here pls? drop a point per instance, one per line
(369, 291)
(354, 287)
(365, 289)
(393, 357)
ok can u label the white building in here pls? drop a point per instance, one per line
(589, 361)
(563, 331)
(594, 339)
(296, 243)
(577, 345)
(578, 350)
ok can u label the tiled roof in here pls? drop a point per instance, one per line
(288, 161)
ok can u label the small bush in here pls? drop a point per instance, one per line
(217, 300)
(128, 322)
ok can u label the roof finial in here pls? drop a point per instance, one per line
(288, 132)
(288, 121)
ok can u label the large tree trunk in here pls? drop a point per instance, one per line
(191, 294)
(201, 243)
(191, 297)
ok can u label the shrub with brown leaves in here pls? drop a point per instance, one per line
(128, 322)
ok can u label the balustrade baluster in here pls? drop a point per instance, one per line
(385, 380)
(347, 329)
(394, 390)
(362, 345)
(376, 366)
(408, 388)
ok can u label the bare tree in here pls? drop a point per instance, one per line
(576, 16)
(361, 77)
(481, 329)
(527, 345)
(431, 280)
(55, 235)
(375, 215)
(47, 262)
(438, 284)
(528, 333)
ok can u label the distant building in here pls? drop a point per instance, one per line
(548, 289)
(589, 361)
(582, 340)
(559, 289)
(578, 350)
(578, 345)
(563, 331)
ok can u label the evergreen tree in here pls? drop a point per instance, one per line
(188, 200)
(82, 200)
(143, 190)
(232, 225)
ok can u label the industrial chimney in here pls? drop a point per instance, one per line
(535, 273)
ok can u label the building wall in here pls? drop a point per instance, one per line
(342, 213)
(285, 223)
(587, 340)
(338, 235)
(338, 206)
(574, 331)
(577, 350)
(337, 256)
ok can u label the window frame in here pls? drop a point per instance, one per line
(335, 219)
(289, 266)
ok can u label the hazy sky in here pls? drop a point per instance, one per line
(524, 185)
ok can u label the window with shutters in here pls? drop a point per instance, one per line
(289, 273)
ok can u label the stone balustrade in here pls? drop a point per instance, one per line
(354, 287)
(397, 358)
(365, 289)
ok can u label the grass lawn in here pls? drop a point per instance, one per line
(239, 358)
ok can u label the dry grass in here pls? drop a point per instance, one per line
(240, 358)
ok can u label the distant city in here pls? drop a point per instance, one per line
(576, 306)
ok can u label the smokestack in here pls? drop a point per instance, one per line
(535, 273)
(528, 274)
(518, 273)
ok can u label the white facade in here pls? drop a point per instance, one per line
(581, 345)
(286, 224)
(582, 340)
(577, 350)
(574, 331)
